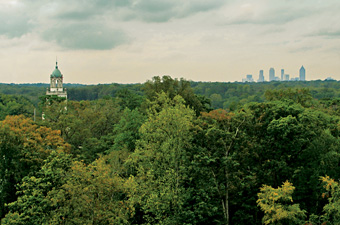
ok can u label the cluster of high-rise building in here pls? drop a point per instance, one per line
(272, 77)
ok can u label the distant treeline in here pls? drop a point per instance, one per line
(224, 95)
(232, 95)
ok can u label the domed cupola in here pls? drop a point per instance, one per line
(56, 84)
(56, 73)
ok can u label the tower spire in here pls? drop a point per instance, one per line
(56, 83)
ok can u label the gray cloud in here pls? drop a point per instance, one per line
(327, 33)
(162, 11)
(144, 10)
(74, 15)
(92, 24)
(303, 49)
(80, 10)
(268, 16)
(141, 10)
(14, 27)
(14, 23)
(277, 11)
(82, 36)
(98, 24)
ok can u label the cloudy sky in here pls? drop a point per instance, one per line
(130, 41)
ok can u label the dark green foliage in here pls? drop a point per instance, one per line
(23, 147)
(94, 92)
(86, 125)
(172, 87)
(300, 96)
(9, 166)
(65, 191)
(162, 156)
(129, 99)
(126, 132)
(15, 105)
(76, 92)
(233, 95)
(290, 145)
(34, 205)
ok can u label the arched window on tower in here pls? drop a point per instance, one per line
(60, 83)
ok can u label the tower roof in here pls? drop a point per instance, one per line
(56, 73)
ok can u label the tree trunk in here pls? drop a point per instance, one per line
(227, 199)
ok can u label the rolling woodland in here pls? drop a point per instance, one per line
(171, 151)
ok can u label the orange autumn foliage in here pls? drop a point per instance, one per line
(218, 114)
(36, 141)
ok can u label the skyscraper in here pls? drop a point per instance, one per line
(249, 78)
(302, 75)
(287, 77)
(271, 74)
(261, 77)
(282, 74)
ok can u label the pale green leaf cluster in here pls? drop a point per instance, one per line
(160, 159)
(332, 209)
(276, 203)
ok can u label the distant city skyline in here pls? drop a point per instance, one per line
(132, 41)
(283, 77)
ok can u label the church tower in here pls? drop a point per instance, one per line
(56, 84)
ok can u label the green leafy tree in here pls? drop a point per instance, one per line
(161, 162)
(301, 96)
(65, 191)
(129, 99)
(52, 107)
(126, 131)
(92, 194)
(23, 148)
(224, 150)
(34, 204)
(216, 101)
(290, 142)
(9, 166)
(275, 141)
(86, 125)
(276, 203)
(15, 105)
(173, 87)
(332, 209)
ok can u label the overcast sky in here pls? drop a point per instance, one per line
(130, 41)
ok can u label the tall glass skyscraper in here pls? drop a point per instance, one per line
(261, 77)
(282, 74)
(271, 74)
(302, 74)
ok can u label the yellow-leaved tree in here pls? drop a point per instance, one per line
(276, 203)
(332, 209)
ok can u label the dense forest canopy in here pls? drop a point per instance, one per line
(171, 151)
(221, 94)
